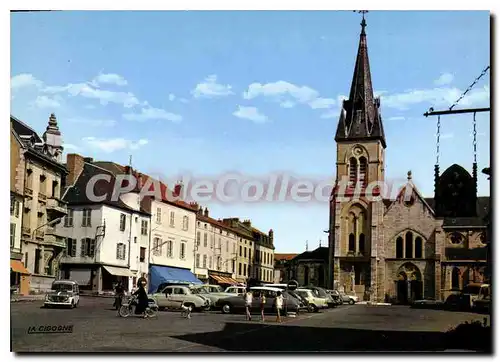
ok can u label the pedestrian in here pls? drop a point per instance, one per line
(279, 306)
(248, 304)
(262, 302)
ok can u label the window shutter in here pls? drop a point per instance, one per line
(73, 247)
(82, 247)
(91, 247)
(118, 251)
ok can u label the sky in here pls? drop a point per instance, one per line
(207, 93)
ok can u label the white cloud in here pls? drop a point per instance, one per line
(322, 103)
(127, 99)
(114, 144)
(93, 122)
(71, 147)
(280, 89)
(109, 78)
(210, 88)
(436, 97)
(46, 102)
(171, 97)
(444, 79)
(250, 113)
(152, 113)
(397, 118)
(24, 80)
(287, 104)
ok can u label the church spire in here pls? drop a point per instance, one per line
(360, 115)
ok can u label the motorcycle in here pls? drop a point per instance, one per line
(128, 307)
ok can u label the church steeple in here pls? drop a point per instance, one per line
(360, 115)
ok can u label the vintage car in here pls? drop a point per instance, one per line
(236, 304)
(347, 298)
(172, 296)
(314, 302)
(63, 293)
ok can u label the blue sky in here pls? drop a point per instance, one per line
(256, 92)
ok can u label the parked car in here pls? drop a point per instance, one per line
(314, 302)
(63, 293)
(428, 303)
(236, 304)
(201, 290)
(351, 299)
(322, 293)
(474, 292)
(336, 297)
(173, 295)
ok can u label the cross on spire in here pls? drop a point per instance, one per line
(363, 21)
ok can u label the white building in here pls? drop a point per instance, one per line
(215, 250)
(106, 241)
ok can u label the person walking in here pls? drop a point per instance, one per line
(248, 304)
(262, 302)
(279, 306)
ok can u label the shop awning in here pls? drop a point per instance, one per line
(117, 271)
(17, 267)
(167, 274)
(224, 280)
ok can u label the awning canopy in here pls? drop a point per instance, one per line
(17, 267)
(167, 274)
(120, 272)
(224, 280)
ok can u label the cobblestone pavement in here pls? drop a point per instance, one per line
(97, 328)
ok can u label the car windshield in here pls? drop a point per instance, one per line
(198, 291)
(62, 287)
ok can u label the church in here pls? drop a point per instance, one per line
(405, 249)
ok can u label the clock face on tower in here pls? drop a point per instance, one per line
(357, 151)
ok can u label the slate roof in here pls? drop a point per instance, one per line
(360, 117)
(320, 253)
(76, 194)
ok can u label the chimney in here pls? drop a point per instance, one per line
(200, 211)
(247, 223)
(271, 237)
(206, 212)
(177, 189)
(74, 164)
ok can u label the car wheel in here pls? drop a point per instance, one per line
(226, 308)
(311, 308)
(351, 301)
(73, 305)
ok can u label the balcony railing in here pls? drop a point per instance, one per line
(26, 230)
(56, 206)
(55, 240)
(39, 233)
(28, 191)
(42, 197)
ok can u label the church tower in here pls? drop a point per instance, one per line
(53, 139)
(356, 207)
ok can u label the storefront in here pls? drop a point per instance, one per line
(19, 278)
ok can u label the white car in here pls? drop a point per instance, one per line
(315, 303)
(63, 293)
(173, 296)
(351, 299)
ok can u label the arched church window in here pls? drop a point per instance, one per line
(418, 247)
(409, 245)
(362, 243)
(352, 242)
(399, 247)
(353, 171)
(363, 169)
(455, 275)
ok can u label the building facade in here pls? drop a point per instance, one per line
(19, 275)
(404, 249)
(42, 208)
(215, 250)
(255, 259)
(309, 268)
(107, 241)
